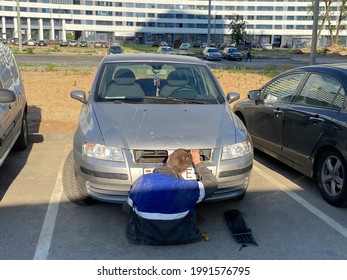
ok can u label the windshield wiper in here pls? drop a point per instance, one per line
(181, 100)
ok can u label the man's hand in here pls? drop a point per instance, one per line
(195, 153)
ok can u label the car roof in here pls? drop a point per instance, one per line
(153, 58)
(338, 70)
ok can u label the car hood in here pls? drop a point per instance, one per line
(165, 126)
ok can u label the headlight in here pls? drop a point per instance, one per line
(102, 152)
(237, 150)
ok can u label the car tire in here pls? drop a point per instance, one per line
(23, 139)
(332, 178)
(70, 184)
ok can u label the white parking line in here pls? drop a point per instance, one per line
(44, 242)
(314, 210)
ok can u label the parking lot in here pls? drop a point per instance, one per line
(288, 216)
(284, 209)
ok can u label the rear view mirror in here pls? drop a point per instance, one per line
(7, 96)
(79, 95)
(233, 96)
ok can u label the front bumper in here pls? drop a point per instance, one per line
(111, 181)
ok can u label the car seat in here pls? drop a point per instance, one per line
(175, 81)
(124, 85)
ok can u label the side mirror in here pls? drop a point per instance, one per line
(233, 96)
(7, 96)
(254, 95)
(79, 95)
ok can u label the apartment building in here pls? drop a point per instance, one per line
(143, 21)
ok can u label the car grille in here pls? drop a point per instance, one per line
(160, 156)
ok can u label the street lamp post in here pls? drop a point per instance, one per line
(209, 24)
(19, 27)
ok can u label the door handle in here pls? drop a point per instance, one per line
(316, 119)
(278, 111)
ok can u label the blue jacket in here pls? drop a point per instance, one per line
(162, 206)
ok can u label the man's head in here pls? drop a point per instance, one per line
(179, 160)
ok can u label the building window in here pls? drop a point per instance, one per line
(264, 17)
(229, 8)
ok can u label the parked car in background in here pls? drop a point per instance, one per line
(13, 105)
(114, 49)
(32, 42)
(166, 50)
(163, 44)
(266, 47)
(300, 118)
(63, 43)
(42, 43)
(155, 44)
(184, 46)
(232, 54)
(73, 43)
(211, 53)
(204, 45)
(83, 43)
(139, 110)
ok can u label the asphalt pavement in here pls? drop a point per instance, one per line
(285, 211)
(61, 61)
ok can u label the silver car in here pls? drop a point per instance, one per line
(13, 105)
(140, 109)
(211, 53)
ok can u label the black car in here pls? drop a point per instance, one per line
(232, 54)
(114, 50)
(300, 118)
(83, 43)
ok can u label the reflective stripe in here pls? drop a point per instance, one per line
(130, 202)
(157, 216)
(201, 191)
(160, 216)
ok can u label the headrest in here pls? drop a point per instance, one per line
(124, 77)
(176, 79)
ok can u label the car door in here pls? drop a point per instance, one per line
(6, 126)
(266, 120)
(307, 119)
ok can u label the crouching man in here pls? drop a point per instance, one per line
(161, 205)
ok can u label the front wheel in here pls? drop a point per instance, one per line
(70, 184)
(332, 178)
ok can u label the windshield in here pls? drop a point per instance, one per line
(157, 83)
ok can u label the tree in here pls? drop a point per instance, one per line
(326, 17)
(237, 26)
(342, 16)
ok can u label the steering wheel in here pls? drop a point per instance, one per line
(184, 92)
